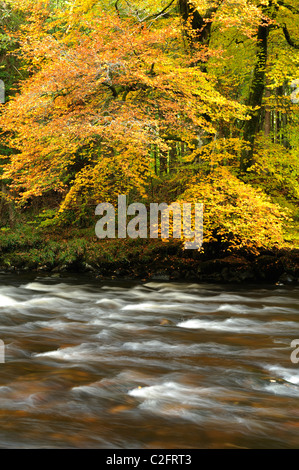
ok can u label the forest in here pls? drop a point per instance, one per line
(169, 101)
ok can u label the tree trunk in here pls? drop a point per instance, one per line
(267, 118)
(255, 96)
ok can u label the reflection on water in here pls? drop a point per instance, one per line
(147, 365)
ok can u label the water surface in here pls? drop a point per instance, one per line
(147, 365)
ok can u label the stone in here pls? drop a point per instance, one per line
(286, 278)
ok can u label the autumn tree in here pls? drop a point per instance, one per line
(146, 99)
(275, 15)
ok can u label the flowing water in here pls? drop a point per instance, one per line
(152, 365)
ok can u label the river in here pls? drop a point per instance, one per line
(147, 365)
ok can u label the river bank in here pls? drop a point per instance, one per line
(80, 251)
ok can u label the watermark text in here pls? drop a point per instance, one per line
(187, 221)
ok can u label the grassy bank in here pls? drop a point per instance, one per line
(28, 248)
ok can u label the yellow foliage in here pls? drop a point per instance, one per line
(235, 212)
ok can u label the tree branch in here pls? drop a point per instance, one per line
(288, 37)
(197, 27)
(289, 7)
(156, 15)
(111, 88)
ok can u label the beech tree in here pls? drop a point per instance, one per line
(148, 98)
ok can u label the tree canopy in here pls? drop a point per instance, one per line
(175, 100)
